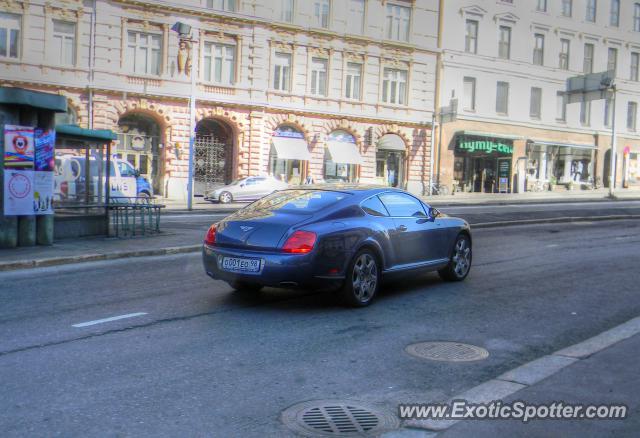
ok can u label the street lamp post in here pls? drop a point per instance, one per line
(184, 33)
(612, 158)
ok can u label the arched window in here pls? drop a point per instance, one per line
(341, 157)
(289, 150)
(139, 144)
(390, 160)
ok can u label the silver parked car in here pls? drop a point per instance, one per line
(245, 189)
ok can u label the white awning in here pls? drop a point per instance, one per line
(564, 145)
(291, 148)
(344, 153)
(391, 142)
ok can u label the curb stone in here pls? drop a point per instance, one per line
(56, 261)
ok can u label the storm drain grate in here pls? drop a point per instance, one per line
(337, 418)
(447, 351)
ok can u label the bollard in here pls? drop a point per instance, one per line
(44, 229)
(26, 230)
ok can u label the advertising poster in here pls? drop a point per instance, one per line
(45, 141)
(18, 147)
(18, 192)
(42, 193)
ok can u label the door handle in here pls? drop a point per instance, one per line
(402, 228)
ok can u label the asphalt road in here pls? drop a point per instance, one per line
(201, 360)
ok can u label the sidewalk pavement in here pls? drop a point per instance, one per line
(607, 377)
(199, 205)
(601, 370)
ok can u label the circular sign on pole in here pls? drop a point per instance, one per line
(19, 186)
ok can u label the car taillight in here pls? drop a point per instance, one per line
(210, 238)
(300, 242)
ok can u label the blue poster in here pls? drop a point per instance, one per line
(44, 151)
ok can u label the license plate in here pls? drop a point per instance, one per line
(238, 264)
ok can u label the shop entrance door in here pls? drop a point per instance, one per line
(484, 175)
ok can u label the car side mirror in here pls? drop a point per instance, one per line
(136, 173)
(242, 185)
(433, 213)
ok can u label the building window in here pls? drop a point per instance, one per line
(144, 52)
(636, 17)
(471, 37)
(541, 6)
(615, 13)
(9, 35)
(502, 98)
(612, 59)
(353, 82)
(588, 58)
(504, 45)
(318, 76)
(469, 102)
(286, 11)
(591, 10)
(635, 62)
(64, 42)
(565, 47)
(567, 6)
(356, 16)
(321, 11)
(632, 115)
(394, 86)
(538, 49)
(282, 71)
(398, 20)
(585, 113)
(535, 106)
(222, 5)
(220, 63)
(561, 106)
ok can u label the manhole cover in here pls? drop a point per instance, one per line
(337, 418)
(447, 351)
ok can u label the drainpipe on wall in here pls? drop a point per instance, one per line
(92, 60)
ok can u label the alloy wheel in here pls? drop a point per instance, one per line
(364, 278)
(462, 257)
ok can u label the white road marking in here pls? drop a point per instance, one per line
(113, 318)
(553, 245)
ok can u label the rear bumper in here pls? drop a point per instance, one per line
(277, 269)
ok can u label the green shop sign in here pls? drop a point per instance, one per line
(488, 146)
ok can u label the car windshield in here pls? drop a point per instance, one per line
(236, 182)
(292, 201)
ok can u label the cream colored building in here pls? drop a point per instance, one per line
(327, 89)
(506, 63)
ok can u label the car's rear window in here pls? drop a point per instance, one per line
(303, 201)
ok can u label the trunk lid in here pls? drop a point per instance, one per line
(259, 230)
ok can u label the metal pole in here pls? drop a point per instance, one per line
(432, 153)
(192, 129)
(612, 157)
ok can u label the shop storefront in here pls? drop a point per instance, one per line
(288, 155)
(390, 160)
(552, 163)
(482, 163)
(341, 158)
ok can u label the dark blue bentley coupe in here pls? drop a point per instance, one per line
(335, 236)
